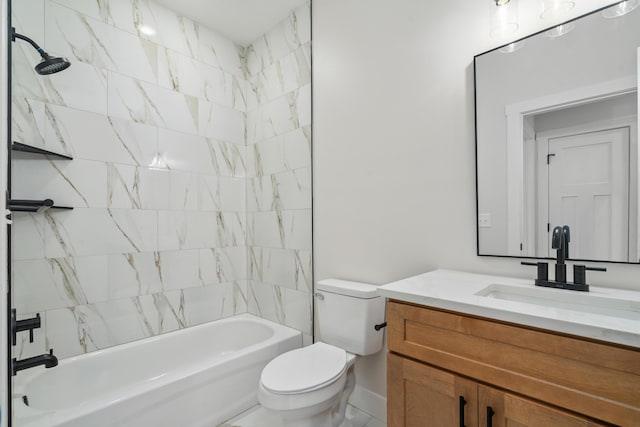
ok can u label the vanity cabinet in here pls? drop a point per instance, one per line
(527, 376)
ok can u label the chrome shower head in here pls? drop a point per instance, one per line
(49, 64)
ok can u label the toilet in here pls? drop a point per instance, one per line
(310, 386)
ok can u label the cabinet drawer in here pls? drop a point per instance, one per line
(592, 378)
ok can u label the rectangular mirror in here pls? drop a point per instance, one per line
(557, 140)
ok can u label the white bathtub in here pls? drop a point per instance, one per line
(199, 376)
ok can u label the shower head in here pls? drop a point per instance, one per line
(49, 64)
(52, 64)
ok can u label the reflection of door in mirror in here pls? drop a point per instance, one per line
(580, 169)
(588, 187)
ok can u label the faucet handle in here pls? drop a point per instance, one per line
(579, 273)
(543, 269)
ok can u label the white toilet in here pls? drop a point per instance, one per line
(310, 386)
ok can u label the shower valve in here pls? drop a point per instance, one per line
(23, 325)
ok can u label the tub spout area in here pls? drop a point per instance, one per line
(48, 360)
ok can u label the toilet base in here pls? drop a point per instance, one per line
(331, 413)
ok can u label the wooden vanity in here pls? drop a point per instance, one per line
(446, 368)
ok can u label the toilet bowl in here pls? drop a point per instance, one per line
(309, 387)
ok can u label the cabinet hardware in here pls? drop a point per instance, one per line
(462, 403)
(490, 413)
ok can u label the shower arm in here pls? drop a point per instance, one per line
(15, 36)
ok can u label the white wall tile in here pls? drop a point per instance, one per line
(220, 52)
(67, 333)
(28, 123)
(159, 313)
(129, 15)
(27, 236)
(283, 76)
(27, 17)
(266, 301)
(134, 274)
(131, 187)
(80, 38)
(228, 159)
(81, 86)
(280, 153)
(283, 191)
(298, 312)
(282, 267)
(95, 9)
(82, 232)
(41, 285)
(190, 230)
(280, 116)
(225, 124)
(173, 31)
(185, 152)
(92, 136)
(181, 73)
(183, 191)
(77, 183)
(179, 269)
(222, 193)
(220, 265)
(284, 229)
(143, 102)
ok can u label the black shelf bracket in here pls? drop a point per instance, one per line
(18, 146)
(35, 206)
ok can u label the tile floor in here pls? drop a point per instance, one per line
(259, 417)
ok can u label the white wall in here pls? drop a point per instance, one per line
(394, 163)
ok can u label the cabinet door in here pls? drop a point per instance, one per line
(422, 396)
(509, 410)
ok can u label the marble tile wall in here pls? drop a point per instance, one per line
(191, 157)
(278, 132)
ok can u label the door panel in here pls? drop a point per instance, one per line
(589, 191)
(513, 411)
(422, 396)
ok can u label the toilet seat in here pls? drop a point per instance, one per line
(305, 369)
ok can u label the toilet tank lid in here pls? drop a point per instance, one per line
(345, 287)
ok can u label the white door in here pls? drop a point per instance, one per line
(588, 190)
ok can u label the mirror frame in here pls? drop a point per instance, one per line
(475, 116)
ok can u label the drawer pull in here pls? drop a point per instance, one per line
(490, 413)
(462, 403)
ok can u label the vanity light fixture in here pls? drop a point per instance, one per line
(621, 9)
(555, 9)
(512, 47)
(560, 30)
(503, 18)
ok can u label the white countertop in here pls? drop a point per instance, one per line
(456, 291)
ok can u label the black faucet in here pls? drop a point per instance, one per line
(561, 245)
(48, 360)
(560, 242)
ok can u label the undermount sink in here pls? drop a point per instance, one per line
(562, 299)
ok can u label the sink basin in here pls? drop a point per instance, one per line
(568, 300)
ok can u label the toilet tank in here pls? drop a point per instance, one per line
(346, 314)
